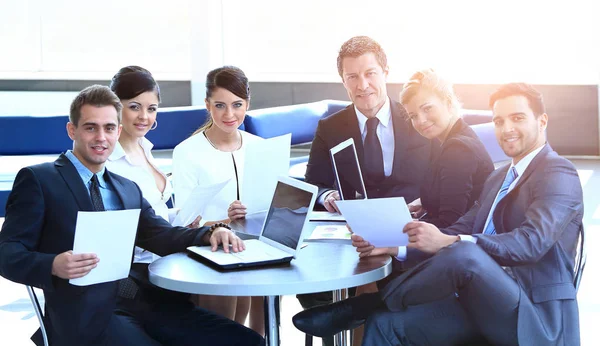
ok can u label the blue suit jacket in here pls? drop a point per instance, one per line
(41, 213)
(537, 225)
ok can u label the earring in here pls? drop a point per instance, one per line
(154, 126)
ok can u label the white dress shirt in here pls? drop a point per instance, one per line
(196, 162)
(385, 133)
(119, 163)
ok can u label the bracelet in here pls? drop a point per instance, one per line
(215, 226)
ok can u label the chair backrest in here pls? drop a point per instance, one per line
(175, 124)
(300, 120)
(580, 258)
(30, 135)
(486, 134)
(38, 312)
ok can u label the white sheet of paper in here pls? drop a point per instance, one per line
(111, 236)
(331, 232)
(199, 198)
(379, 221)
(326, 216)
(264, 162)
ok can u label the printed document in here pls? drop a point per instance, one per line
(379, 221)
(111, 236)
(264, 162)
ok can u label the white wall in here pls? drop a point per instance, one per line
(471, 41)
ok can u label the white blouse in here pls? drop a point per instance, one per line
(119, 163)
(196, 162)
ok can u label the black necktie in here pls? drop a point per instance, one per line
(95, 194)
(373, 153)
(127, 287)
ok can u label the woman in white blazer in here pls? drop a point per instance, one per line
(215, 154)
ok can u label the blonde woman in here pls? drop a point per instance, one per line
(459, 163)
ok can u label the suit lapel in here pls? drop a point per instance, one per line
(532, 165)
(352, 128)
(400, 128)
(73, 180)
(515, 190)
(488, 200)
(125, 194)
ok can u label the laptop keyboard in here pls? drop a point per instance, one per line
(257, 251)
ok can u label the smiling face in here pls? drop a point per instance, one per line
(430, 115)
(139, 114)
(95, 136)
(364, 80)
(518, 130)
(226, 109)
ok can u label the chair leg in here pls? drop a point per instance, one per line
(38, 312)
(308, 341)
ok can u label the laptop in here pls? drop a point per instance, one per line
(347, 171)
(282, 233)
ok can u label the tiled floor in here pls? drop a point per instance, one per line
(18, 321)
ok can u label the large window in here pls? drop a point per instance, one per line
(470, 41)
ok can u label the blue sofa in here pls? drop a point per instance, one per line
(300, 120)
(38, 135)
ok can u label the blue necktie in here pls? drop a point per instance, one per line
(510, 177)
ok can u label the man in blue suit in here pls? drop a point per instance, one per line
(503, 273)
(37, 238)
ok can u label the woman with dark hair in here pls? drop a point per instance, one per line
(214, 154)
(132, 158)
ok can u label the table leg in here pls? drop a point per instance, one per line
(272, 320)
(342, 338)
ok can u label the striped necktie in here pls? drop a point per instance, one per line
(510, 177)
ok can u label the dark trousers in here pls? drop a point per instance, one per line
(310, 300)
(162, 317)
(459, 296)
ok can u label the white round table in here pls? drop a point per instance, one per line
(318, 267)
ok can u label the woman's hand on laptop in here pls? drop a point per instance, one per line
(329, 202)
(226, 238)
(236, 210)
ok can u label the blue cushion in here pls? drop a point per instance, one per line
(300, 120)
(476, 116)
(5, 188)
(175, 124)
(25, 135)
(486, 134)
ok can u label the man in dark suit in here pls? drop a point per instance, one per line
(503, 273)
(37, 238)
(392, 155)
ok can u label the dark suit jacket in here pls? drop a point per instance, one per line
(537, 225)
(40, 223)
(455, 177)
(411, 154)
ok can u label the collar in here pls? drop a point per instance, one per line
(119, 153)
(84, 172)
(384, 115)
(522, 165)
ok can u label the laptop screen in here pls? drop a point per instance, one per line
(350, 182)
(286, 216)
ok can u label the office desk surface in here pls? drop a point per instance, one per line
(318, 267)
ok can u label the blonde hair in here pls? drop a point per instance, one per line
(429, 80)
